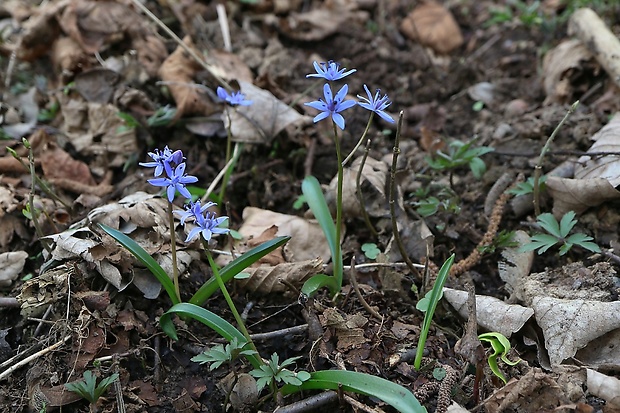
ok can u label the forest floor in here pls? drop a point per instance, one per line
(95, 85)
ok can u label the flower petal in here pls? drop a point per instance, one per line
(321, 116)
(338, 120)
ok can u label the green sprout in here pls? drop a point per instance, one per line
(131, 123)
(503, 239)
(371, 250)
(430, 206)
(501, 347)
(162, 116)
(274, 372)
(460, 154)
(527, 187)
(219, 354)
(89, 389)
(428, 304)
(558, 233)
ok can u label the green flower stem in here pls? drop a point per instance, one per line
(338, 265)
(173, 249)
(372, 114)
(229, 301)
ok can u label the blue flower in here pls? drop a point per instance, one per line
(161, 158)
(332, 106)
(193, 209)
(376, 104)
(330, 71)
(234, 99)
(175, 181)
(207, 225)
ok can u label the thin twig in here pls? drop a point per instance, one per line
(396, 152)
(360, 297)
(35, 356)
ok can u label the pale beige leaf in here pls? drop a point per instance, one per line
(492, 314)
(431, 24)
(608, 167)
(267, 279)
(11, 265)
(605, 387)
(307, 239)
(559, 67)
(579, 194)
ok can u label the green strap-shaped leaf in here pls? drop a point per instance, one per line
(206, 317)
(316, 201)
(150, 263)
(393, 394)
(235, 267)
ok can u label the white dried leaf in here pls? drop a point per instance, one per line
(605, 387)
(11, 265)
(492, 314)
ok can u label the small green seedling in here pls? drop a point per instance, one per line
(460, 154)
(162, 116)
(131, 123)
(430, 206)
(503, 239)
(501, 347)
(558, 233)
(371, 251)
(428, 307)
(527, 187)
(299, 202)
(89, 389)
(220, 354)
(274, 372)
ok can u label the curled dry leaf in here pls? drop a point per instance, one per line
(433, 25)
(569, 325)
(36, 294)
(561, 66)
(267, 279)
(596, 177)
(261, 121)
(605, 387)
(178, 72)
(492, 314)
(515, 265)
(11, 265)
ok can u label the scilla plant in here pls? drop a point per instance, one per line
(169, 171)
(330, 107)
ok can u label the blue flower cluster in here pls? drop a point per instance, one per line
(233, 99)
(331, 106)
(175, 179)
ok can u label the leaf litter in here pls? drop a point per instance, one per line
(96, 60)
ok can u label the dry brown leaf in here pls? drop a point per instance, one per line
(307, 239)
(58, 164)
(8, 203)
(318, 24)
(40, 30)
(433, 25)
(261, 121)
(267, 279)
(560, 67)
(492, 314)
(97, 85)
(96, 131)
(179, 71)
(348, 328)
(515, 265)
